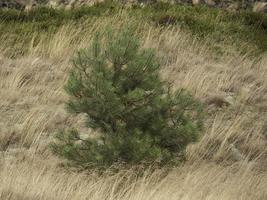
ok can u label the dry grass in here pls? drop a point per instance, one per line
(205, 181)
(229, 162)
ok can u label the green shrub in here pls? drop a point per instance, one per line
(243, 30)
(138, 118)
(166, 20)
(46, 14)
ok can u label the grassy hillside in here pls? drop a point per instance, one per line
(230, 160)
(246, 31)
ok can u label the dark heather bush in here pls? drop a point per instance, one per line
(139, 119)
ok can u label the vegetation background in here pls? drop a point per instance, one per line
(219, 56)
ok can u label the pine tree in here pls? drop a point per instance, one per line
(117, 84)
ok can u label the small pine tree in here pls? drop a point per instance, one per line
(117, 85)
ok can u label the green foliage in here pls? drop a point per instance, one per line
(46, 14)
(239, 29)
(245, 30)
(138, 117)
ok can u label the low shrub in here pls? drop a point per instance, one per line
(137, 116)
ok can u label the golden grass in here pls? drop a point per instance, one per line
(205, 181)
(229, 161)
